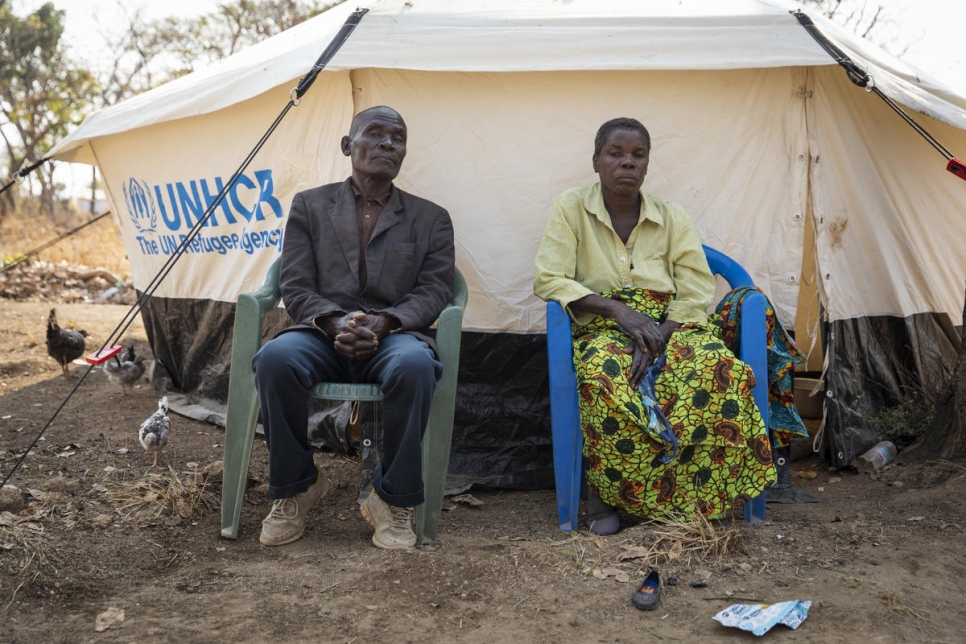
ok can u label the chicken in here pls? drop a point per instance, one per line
(154, 431)
(125, 371)
(63, 345)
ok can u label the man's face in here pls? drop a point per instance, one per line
(377, 144)
(622, 162)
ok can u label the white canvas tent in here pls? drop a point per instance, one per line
(814, 185)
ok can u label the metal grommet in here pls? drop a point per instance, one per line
(294, 97)
(367, 442)
(870, 84)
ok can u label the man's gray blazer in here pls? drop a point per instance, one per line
(409, 259)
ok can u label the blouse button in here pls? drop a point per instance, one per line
(627, 286)
(623, 259)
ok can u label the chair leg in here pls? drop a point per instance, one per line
(436, 449)
(755, 508)
(240, 425)
(438, 437)
(370, 447)
(564, 417)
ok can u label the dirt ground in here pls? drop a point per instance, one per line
(110, 549)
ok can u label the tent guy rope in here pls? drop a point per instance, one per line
(861, 78)
(109, 348)
(23, 172)
(21, 258)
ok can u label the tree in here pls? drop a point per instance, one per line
(871, 20)
(859, 18)
(41, 93)
(149, 53)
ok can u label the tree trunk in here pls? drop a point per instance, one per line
(7, 202)
(946, 436)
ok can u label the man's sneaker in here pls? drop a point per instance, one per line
(286, 522)
(394, 526)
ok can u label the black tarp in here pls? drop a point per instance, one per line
(873, 364)
(501, 433)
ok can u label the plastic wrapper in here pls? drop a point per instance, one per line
(759, 618)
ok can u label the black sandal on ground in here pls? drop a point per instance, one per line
(648, 595)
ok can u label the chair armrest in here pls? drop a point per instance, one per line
(729, 269)
(560, 344)
(459, 289)
(268, 295)
(250, 310)
(564, 410)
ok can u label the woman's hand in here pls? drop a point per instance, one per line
(646, 341)
(647, 351)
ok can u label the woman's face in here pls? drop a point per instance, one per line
(622, 162)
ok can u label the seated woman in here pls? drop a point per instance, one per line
(630, 270)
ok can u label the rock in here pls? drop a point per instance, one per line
(11, 500)
(108, 294)
(42, 281)
(62, 484)
(214, 472)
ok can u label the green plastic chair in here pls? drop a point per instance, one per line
(242, 415)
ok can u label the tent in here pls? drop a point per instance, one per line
(842, 213)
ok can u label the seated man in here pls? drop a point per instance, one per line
(366, 269)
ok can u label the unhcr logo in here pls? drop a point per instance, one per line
(182, 204)
(140, 205)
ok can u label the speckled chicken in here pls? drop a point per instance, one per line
(125, 370)
(63, 345)
(154, 431)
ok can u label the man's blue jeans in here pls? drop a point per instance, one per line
(287, 367)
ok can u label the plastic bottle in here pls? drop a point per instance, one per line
(876, 458)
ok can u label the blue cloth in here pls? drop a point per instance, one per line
(783, 355)
(657, 422)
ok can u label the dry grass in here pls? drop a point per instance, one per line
(686, 541)
(682, 541)
(898, 605)
(98, 245)
(167, 496)
(24, 544)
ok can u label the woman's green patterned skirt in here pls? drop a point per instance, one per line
(723, 456)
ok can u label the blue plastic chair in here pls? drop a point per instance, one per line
(567, 436)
